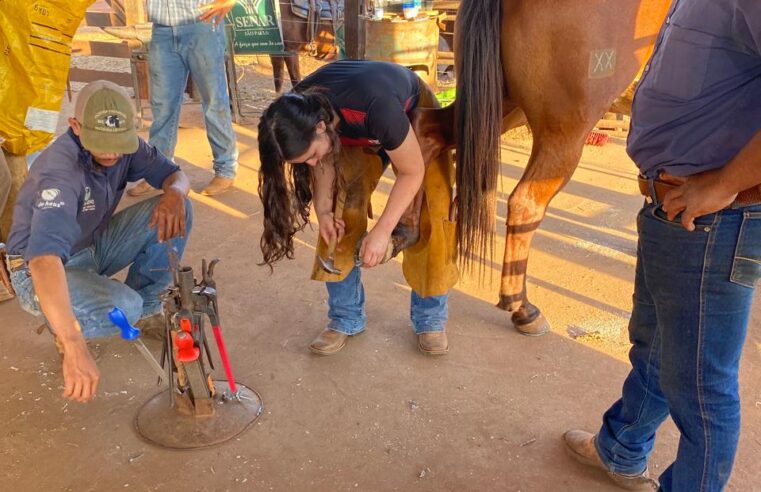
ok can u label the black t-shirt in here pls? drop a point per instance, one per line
(371, 98)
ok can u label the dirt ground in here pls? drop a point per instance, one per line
(378, 416)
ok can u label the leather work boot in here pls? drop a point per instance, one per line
(433, 343)
(328, 342)
(581, 446)
(140, 189)
(152, 327)
(218, 185)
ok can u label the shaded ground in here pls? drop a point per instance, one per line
(378, 416)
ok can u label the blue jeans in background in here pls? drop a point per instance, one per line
(198, 50)
(346, 307)
(127, 241)
(692, 299)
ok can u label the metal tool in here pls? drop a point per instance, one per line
(207, 297)
(132, 334)
(328, 263)
(196, 411)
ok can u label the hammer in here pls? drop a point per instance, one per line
(327, 263)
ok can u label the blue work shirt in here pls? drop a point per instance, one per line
(699, 99)
(68, 198)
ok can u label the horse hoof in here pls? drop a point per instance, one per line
(401, 241)
(536, 328)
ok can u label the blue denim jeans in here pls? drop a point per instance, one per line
(346, 307)
(692, 298)
(127, 240)
(198, 50)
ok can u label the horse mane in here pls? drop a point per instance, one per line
(478, 126)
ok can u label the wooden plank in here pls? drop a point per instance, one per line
(446, 4)
(83, 75)
(100, 48)
(103, 19)
(446, 57)
(352, 29)
(613, 124)
(118, 9)
(134, 11)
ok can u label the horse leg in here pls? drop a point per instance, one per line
(433, 129)
(407, 230)
(294, 69)
(554, 157)
(277, 73)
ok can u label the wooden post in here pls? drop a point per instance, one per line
(133, 11)
(352, 28)
(17, 167)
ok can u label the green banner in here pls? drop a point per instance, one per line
(256, 27)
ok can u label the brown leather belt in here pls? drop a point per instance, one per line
(751, 196)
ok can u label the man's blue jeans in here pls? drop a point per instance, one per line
(346, 307)
(692, 298)
(127, 240)
(198, 50)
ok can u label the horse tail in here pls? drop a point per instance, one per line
(478, 125)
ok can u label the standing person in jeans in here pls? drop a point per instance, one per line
(66, 242)
(696, 138)
(188, 37)
(337, 130)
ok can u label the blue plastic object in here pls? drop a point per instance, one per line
(117, 317)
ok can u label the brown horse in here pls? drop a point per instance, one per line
(563, 63)
(295, 39)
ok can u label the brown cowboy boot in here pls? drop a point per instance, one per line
(433, 343)
(581, 446)
(218, 185)
(328, 342)
(153, 327)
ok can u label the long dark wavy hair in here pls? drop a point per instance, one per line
(286, 129)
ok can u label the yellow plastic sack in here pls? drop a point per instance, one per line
(35, 51)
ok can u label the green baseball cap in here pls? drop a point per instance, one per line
(105, 112)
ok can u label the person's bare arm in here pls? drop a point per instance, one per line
(324, 176)
(710, 191)
(410, 170)
(169, 213)
(215, 11)
(80, 373)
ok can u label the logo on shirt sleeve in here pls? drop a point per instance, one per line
(49, 198)
(89, 203)
(50, 194)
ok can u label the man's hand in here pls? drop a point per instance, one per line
(216, 11)
(694, 196)
(169, 215)
(330, 227)
(80, 374)
(374, 248)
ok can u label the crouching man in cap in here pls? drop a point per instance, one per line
(66, 242)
